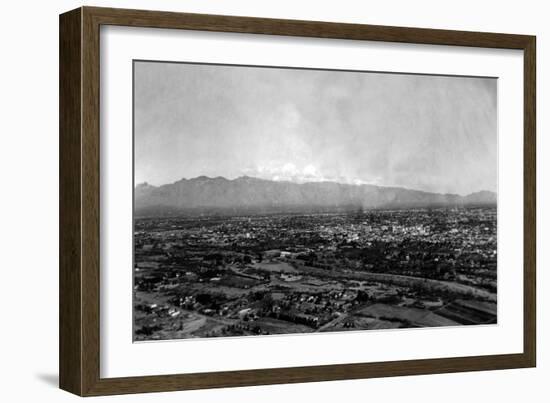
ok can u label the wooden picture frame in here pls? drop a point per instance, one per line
(79, 348)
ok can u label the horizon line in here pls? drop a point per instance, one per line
(206, 177)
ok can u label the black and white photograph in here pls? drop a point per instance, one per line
(280, 200)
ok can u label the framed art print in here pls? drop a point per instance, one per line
(249, 201)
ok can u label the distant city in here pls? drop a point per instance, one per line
(221, 274)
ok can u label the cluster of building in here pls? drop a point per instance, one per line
(229, 276)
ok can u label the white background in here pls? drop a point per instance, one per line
(29, 169)
(120, 358)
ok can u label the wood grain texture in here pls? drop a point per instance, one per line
(317, 29)
(530, 202)
(80, 196)
(70, 274)
(90, 202)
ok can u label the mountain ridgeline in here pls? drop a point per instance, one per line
(246, 195)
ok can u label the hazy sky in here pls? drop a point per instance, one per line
(421, 132)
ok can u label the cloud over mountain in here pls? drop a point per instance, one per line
(248, 194)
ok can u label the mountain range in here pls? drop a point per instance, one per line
(253, 195)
